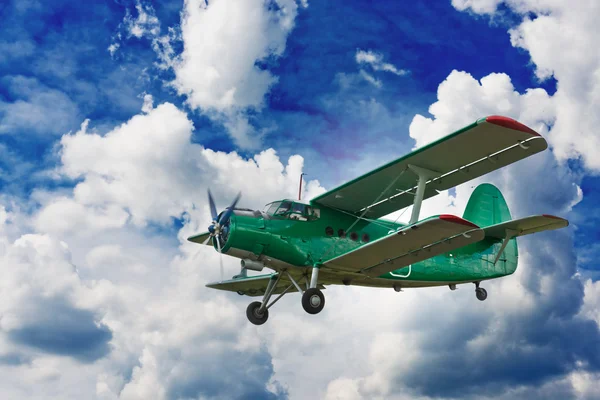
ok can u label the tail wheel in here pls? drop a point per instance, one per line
(313, 301)
(253, 314)
(481, 294)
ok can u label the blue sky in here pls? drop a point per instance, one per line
(181, 96)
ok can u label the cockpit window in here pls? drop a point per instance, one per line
(284, 208)
(292, 210)
(271, 208)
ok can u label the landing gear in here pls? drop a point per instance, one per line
(480, 292)
(313, 301)
(254, 314)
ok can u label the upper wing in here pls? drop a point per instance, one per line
(200, 238)
(525, 226)
(482, 147)
(408, 245)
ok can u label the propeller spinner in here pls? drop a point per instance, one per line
(218, 225)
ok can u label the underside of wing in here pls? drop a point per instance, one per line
(256, 285)
(408, 245)
(201, 238)
(482, 147)
(525, 226)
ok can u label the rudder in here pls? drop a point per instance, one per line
(486, 207)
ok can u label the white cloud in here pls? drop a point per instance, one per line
(370, 78)
(112, 49)
(36, 108)
(478, 6)
(149, 169)
(173, 338)
(217, 70)
(559, 40)
(406, 353)
(462, 100)
(375, 61)
(147, 294)
(148, 103)
(145, 24)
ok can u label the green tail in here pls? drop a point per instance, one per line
(487, 207)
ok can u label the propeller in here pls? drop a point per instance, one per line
(216, 228)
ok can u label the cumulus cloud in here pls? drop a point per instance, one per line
(462, 100)
(558, 39)
(40, 309)
(525, 325)
(36, 108)
(134, 302)
(217, 70)
(149, 168)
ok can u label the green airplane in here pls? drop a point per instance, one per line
(340, 238)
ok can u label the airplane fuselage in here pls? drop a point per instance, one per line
(301, 244)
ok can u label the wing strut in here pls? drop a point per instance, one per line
(510, 233)
(424, 175)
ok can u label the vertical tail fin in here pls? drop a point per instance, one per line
(487, 207)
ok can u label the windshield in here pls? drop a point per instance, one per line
(284, 208)
(272, 207)
(292, 210)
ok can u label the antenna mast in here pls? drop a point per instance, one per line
(300, 189)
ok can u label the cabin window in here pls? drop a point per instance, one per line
(341, 233)
(365, 237)
(354, 236)
(298, 212)
(329, 231)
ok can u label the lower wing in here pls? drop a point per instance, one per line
(408, 245)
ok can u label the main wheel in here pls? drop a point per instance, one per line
(481, 294)
(313, 301)
(254, 316)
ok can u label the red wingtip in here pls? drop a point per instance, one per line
(550, 216)
(457, 220)
(510, 124)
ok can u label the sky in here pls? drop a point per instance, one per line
(115, 118)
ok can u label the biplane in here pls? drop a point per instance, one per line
(341, 237)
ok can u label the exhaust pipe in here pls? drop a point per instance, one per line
(253, 265)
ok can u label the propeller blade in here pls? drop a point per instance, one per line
(207, 239)
(227, 214)
(213, 208)
(220, 257)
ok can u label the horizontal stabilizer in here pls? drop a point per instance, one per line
(410, 244)
(525, 226)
